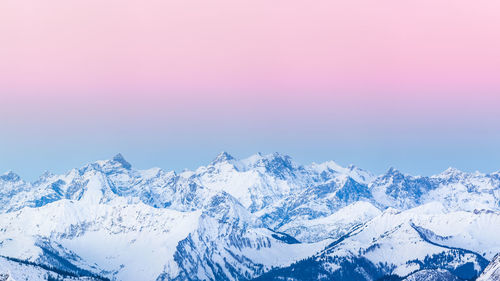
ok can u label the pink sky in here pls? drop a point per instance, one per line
(337, 64)
(170, 47)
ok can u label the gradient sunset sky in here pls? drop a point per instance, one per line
(410, 84)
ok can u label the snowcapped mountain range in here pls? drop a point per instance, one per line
(260, 218)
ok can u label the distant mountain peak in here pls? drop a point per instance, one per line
(222, 157)
(451, 171)
(47, 174)
(10, 176)
(262, 158)
(393, 171)
(120, 159)
(280, 155)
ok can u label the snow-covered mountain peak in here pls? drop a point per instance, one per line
(452, 170)
(451, 173)
(393, 172)
(115, 165)
(328, 165)
(222, 158)
(392, 176)
(325, 169)
(273, 160)
(46, 175)
(10, 176)
(120, 159)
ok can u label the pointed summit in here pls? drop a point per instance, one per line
(222, 157)
(452, 170)
(451, 173)
(47, 174)
(10, 176)
(120, 159)
(392, 172)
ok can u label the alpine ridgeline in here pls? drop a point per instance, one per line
(264, 218)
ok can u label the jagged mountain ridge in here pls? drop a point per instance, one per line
(232, 219)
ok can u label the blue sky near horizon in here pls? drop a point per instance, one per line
(411, 154)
